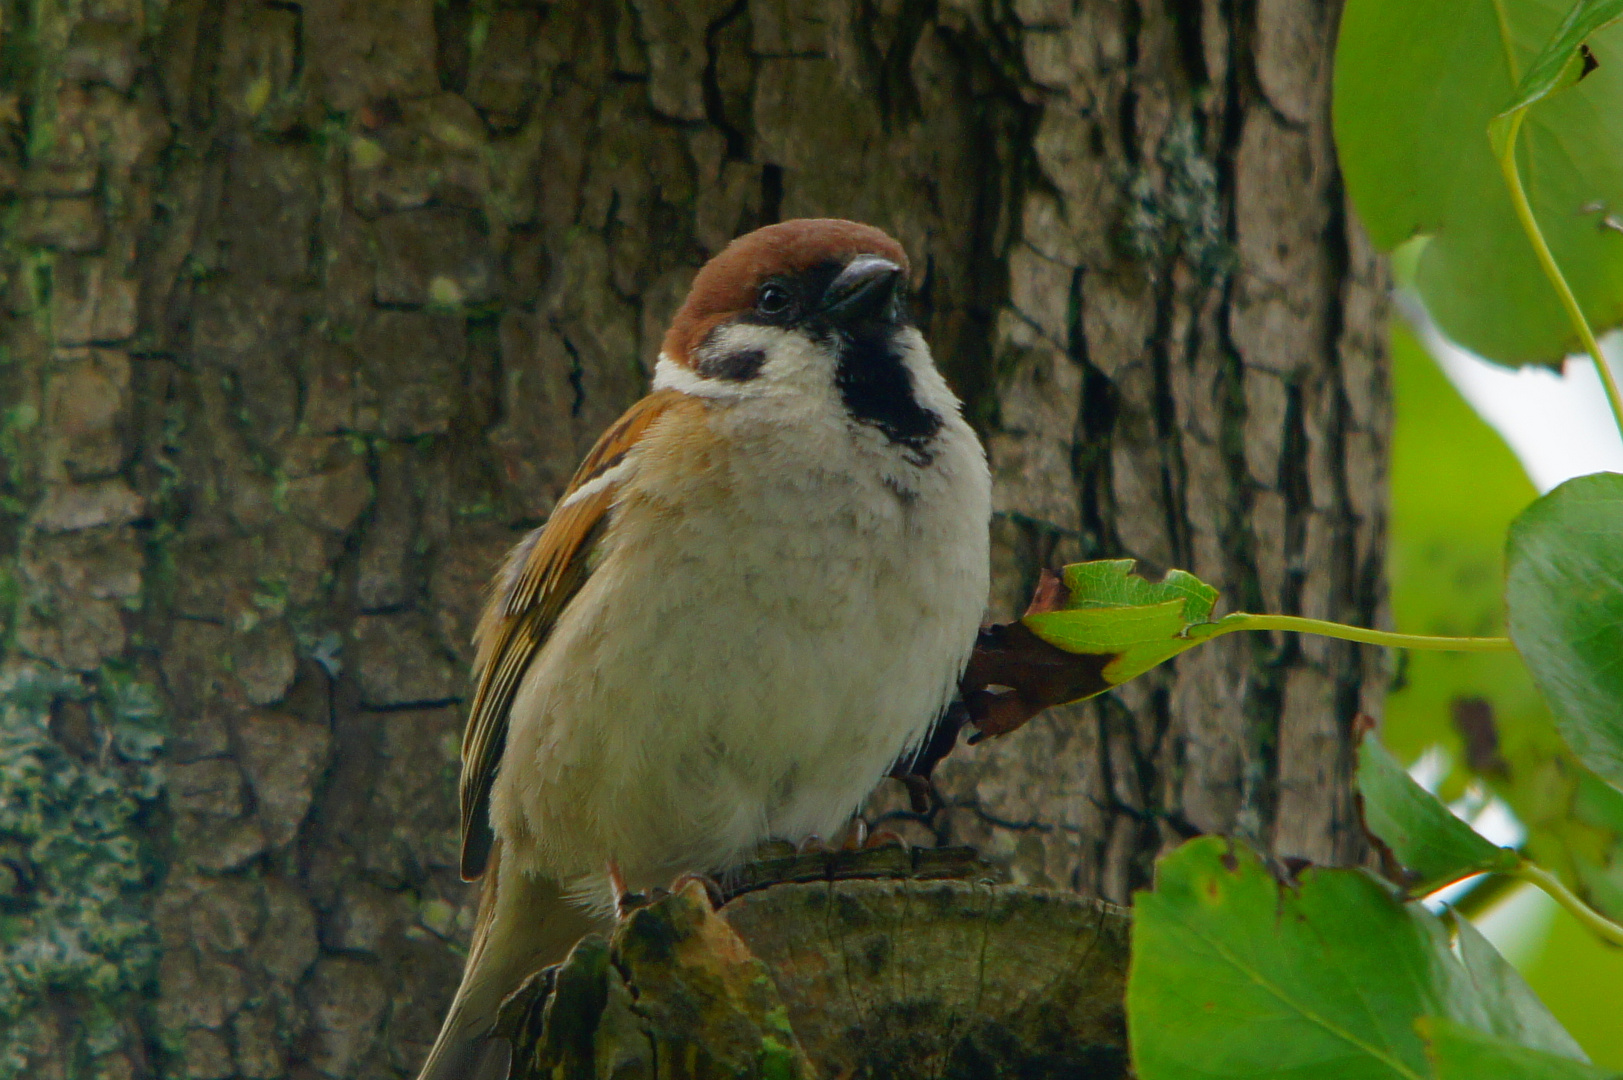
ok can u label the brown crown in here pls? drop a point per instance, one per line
(726, 286)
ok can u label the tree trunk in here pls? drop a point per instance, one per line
(312, 307)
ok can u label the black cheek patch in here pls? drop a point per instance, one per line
(740, 365)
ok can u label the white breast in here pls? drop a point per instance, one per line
(783, 609)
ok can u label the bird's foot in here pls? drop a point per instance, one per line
(711, 888)
(855, 837)
(885, 838)
(882, 854)
(858, 838)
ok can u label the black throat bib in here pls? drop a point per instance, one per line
(877, 390)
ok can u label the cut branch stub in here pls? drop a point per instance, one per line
(848, 979)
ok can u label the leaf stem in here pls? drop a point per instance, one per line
(1575, 314)
(1300, 625)
(1599, 924)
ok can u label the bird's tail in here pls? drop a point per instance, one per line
(524, 924)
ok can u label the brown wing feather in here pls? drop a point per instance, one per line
(540, 577)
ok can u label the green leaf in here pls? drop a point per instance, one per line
(1565, 594)
(1235, 975)
(1461, 1053)
(1112, 611)
(1416, 84)
(1456, 488)
(1598, 807)
(1561, 64)
(1112, 583)
(1437, 847)
(1494, 997)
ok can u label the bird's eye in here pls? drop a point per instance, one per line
(773, 300)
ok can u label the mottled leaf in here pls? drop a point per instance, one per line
(1112, 611)
(1236, 975)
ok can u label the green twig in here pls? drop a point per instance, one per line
(1524, 212)
(1603, 927)
(1325, 628)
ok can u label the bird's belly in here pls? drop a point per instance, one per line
(674, 729)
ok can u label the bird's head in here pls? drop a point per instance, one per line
(818, 306)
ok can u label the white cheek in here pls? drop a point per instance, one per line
(792, 359)
(669, 375)
(793, 365)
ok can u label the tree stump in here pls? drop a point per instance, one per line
(846, 979)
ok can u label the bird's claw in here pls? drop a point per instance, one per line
(885, 838)
(712, 889)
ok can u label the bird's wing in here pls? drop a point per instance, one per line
(539, 578)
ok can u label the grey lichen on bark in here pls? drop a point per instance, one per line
(311, 308)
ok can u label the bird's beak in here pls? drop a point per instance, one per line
(865, 288)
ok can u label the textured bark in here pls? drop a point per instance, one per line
(311, 308)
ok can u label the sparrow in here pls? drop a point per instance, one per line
(757, 593)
